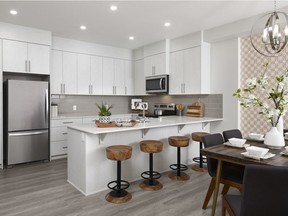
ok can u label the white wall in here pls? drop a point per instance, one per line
(224, 80)
(26, 34)
(76, 46)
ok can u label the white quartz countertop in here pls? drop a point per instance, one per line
(152, 123)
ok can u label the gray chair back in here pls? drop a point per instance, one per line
(264, 191)
(235, 133)
(209, 141)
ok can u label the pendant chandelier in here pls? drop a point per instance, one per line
(273, 38)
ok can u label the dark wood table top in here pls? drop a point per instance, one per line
(233, 155)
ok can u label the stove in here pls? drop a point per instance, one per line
(163, 109)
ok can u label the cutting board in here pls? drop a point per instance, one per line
(195, 110)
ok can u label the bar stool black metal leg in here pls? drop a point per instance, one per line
(178, 161)
(201, 156)
(119, 176)
(151, 180)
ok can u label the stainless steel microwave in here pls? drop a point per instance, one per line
(157, 84)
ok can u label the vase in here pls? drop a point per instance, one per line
(104, 119)
(273, 139)
(280, 125)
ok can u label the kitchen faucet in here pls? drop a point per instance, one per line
(143, 106)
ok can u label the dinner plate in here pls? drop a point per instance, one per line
(236, 146)
(266, 156)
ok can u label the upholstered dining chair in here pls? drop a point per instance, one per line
(264, 193)
(234, 133)
(231, 175)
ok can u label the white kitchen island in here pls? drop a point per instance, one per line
(88, 168)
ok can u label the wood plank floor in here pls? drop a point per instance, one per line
(41, 189)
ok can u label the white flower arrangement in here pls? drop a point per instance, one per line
(272, 101)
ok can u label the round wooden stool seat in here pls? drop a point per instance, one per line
(151, 146)
(178, 141)
(119, 152)
(197, 136)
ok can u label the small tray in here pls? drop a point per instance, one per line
(132, 123)
(266, 156)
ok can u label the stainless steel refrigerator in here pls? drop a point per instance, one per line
(26, 113)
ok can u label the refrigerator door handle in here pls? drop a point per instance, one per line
(46, 107)
(27, 133)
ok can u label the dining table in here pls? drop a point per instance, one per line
(224, 153)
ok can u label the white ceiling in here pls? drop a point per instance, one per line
(142, 19)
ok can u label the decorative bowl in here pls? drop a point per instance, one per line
(255, 136)
(257, 151)
(237, 141)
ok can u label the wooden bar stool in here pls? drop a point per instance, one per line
(118, 193)
(150, 183)
(197, 137)
(179, 142)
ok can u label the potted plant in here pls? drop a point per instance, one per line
(104, 112)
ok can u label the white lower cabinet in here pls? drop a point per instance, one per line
(58, 136)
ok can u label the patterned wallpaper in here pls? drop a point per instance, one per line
(250, 65)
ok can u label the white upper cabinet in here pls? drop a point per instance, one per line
(56, 86)
(108, 76)
(129, 84)
(176, 73)
(119, 77)
(25, 57)
(156, 56)
(64, 73)
(39, 58)
(70, 73)
(189, 71)
(139, 77)
(155, 64)
(83, 74)
(96, 75)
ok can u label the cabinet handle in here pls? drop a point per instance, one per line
(67, 122)
(184, 87)
(65, 147)
(64, 133)
(115, 90)
(125, 90)
(29, 64)
(26, 67)
(64, 88)
(153, 70)
(91, 89)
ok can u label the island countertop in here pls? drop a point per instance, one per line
(164, 121)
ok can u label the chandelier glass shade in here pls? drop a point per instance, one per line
(269, 34)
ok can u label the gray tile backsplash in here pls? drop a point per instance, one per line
(86, 105)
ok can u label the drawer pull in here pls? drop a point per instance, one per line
(64, 133)
(67, 122)
(65, 147)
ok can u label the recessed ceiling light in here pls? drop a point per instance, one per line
(167, 24)
(82, 27)
(131, 38)
(13, 12)
(113, 7)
